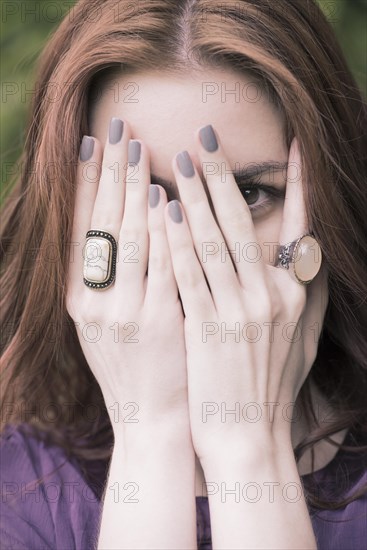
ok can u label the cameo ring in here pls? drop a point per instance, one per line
(302, 258)
(100, 254)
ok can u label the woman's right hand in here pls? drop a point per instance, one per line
(132, 336)
(132, 332)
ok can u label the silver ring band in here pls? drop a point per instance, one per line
(302, 258)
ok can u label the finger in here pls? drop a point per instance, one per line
(108, 208)
(233, 214)
(294, 213)
(133, 236)
(195, 294)
(87, 177)
(161, 283)
(314, 314)
(294, 223)
(207, 238)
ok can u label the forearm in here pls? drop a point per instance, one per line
(156, 505)
(256, 501)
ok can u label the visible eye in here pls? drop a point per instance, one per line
(252, 195)
(259, 196)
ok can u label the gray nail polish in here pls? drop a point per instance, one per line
(133, 155)
(154, 195)
(174, 210)
(185, 165)
(86, 148)
(208, 139)
(115, 130)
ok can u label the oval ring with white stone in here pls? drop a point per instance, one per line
(100, 255)
(302, 258)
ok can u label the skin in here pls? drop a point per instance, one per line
(256, 128)
(182, 371)
(167, 124)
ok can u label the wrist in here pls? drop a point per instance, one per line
(263, 454)
(169, 437)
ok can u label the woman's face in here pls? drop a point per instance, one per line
(164, 111)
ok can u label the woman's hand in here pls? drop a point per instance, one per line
(249, 466)
(250, 337)
(136, 351)
(134, 346)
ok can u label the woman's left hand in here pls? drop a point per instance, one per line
(252, 337)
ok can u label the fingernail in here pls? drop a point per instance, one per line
(174, 211)
(208, 138)
(153, 195)
(86, 148)
(185, 165)
(133, 154)
(115, 130)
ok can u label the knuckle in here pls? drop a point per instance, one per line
(108, 163)
(187, 276)
(159, 262)
(132, 178)
(73, 302)
(101, 224)
(262, 306)
(212, 247)
(155, 224)
(183, 249)
(276, 307)
(70, 307)
(86, 311)
(238, 219)
(87, 308)
(299, 301)
(237, 316)
(130, 234)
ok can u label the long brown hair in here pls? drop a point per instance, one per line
(291, 49)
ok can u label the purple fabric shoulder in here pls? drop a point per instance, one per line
(344, 528)
(61, 512)
(340, 529)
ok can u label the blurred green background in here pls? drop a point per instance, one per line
(26, 26)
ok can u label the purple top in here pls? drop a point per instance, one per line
(63, 512)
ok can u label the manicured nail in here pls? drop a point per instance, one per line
(185, 165)
(115, 130)
(133, 154)
(153, 195)
(174, 211)
(208, 138)
(86, 148)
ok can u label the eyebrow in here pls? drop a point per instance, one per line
(258, 168)
(248, 172)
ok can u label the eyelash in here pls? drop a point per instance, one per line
(272, 192)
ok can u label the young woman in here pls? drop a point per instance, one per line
(183, 285)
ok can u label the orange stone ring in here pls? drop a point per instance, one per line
(302, 258)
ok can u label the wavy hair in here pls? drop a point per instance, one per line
(289, 47)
